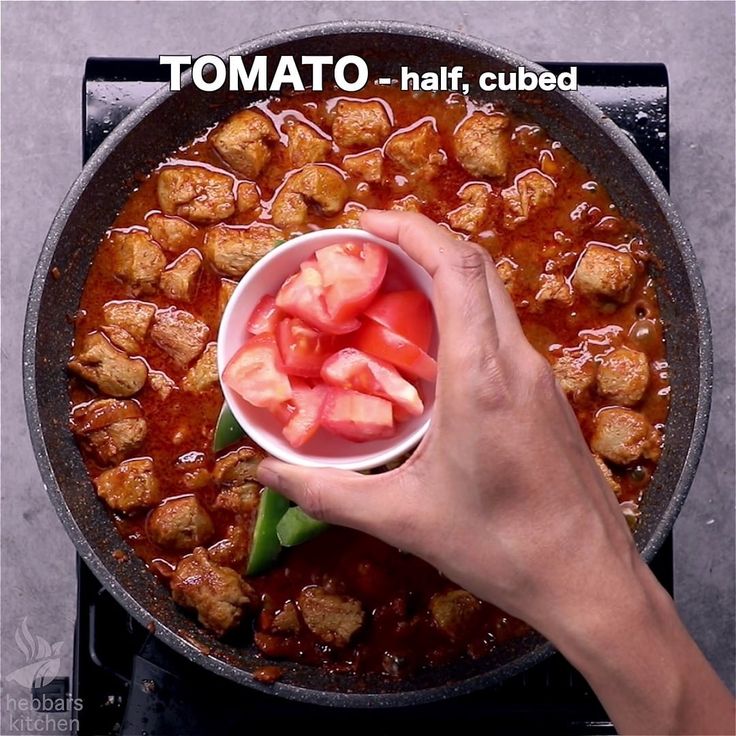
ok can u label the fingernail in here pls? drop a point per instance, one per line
(266, 475)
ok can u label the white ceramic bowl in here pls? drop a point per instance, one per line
(325, 449)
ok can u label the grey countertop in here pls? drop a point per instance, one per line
(44, 48)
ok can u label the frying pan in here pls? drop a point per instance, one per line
(168, 120)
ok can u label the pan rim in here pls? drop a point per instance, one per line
(91, 558)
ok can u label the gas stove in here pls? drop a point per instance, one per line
(131, 683)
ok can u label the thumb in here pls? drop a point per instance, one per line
(337, 496)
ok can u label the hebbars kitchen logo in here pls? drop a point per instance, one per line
(42, 659)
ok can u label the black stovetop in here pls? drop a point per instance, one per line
(131, 683)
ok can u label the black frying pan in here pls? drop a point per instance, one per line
(168, 120)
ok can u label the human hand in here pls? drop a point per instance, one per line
(502, 494)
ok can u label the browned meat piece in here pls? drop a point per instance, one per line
(482, 144)
(469, 217)
(108, 368)
(203, 374)
(575, 374)
(249, 198)
(195, 193)
(137, 261)
(180, 524)
(316, 185)
(360, 124)
(554, 288)
(218, 594)
(603, 272)
(237, 468)
(110, 428)
(232, 551)
(179, 281)
(134, 317)
(623, 436)
(240, 499)
(286, 621)
(232, 251)
(130, 487)
(453, 611)
(306, 145)
(333, 618)
(508, 271)
(227, 288)
(367, 166)
(120, 338)
(161, 384)
(172, 233)
(417, 150)
(623, 376)
(179, 334)
(531, 192)
(407, 204)
(245, 141)
(613, 484)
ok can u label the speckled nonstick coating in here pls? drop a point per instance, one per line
(168, 120)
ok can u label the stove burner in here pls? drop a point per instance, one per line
(131, 683)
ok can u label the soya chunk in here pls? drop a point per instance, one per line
(482, 144)
(623, 436)
(130, 487)
(120, 338)
(108, 368)
(333, 618)
(623, 376)
(574, 374)
(110, 428)
(248, 198)
(469, 217)
(203, 374)
(180, 334)
(180, 524)
(553, 288)
(161, 384)
(603, 272)
(137, 261)
(367, 166)
(218, 594)
(226, 290)
(233, 251)
(172, 233)
(531, 192)
(237, 467)
(360, 124)
(417, 150)
(132, 316)
(195, 193)
(306, 145)
(245, 141)
(453, 611)
(316, 185)
(179, 280)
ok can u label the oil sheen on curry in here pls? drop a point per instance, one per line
(144, 385)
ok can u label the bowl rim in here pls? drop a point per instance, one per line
(84, 547)
(314, 240)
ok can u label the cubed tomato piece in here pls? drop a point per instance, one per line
(303, 348)
(265, 316)
(352, 274)
(302, 295)
(305, 421)
(407, 313)
(385, 344)
(257, 373)
(357, 417)
(355, 370)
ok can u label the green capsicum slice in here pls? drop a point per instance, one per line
(265, 545)
(227, 430)
(296, 527)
